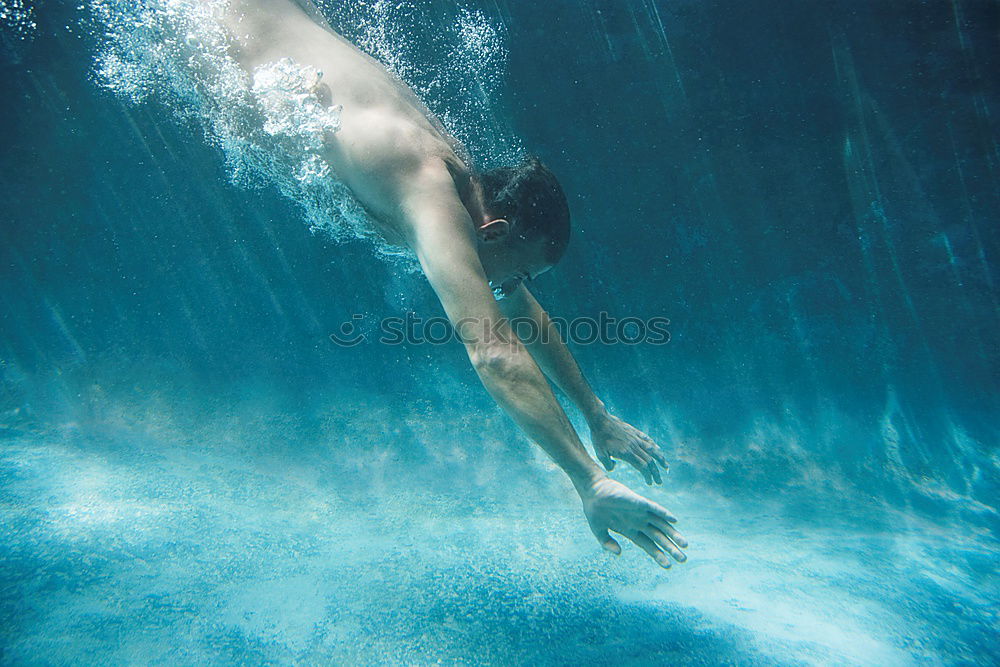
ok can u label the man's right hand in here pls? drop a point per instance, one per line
(610, 505)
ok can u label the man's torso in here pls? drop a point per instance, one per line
(387, 138)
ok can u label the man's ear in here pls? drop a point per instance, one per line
(494, 230)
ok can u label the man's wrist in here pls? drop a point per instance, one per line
(587, 477)
(595, 413)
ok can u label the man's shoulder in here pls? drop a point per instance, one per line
(431, 203)
(436, 183)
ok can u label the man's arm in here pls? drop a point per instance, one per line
(552, 355)
(443, 238)
(441, 233)
(612, 438)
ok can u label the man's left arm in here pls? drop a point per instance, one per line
(612, 437)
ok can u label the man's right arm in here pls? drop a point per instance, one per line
(441, 233)
(443, 238)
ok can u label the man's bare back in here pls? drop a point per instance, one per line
(387, 135)
(469, 232)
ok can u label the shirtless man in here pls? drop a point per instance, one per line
(470, 232)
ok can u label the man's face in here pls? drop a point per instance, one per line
(509, 260)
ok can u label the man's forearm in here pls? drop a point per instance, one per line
(555, 359)
(513, 378)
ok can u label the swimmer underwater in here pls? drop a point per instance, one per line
(476, 235)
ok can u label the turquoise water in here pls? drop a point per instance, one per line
(191, 472)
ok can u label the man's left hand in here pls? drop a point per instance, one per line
(614, 439)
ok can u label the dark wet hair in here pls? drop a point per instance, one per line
(530, 198)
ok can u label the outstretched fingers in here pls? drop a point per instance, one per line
(669, 531)
(650, 547)
(654, 471)
(664, 542)
(645, 464)
(640, 462)
(644, 449)
(654, 451)
(648, 445)
(660, 512)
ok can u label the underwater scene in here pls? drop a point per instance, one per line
(235, 427)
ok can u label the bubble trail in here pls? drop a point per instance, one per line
(270, 126)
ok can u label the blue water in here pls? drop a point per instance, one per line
(192, 473)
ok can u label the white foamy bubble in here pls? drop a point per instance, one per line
(269, 128)
(286, 92)
(311, 169)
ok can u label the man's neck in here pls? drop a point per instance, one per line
(473, 201)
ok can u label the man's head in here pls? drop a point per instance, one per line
(525, 227)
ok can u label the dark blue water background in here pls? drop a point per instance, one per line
(192, 473)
